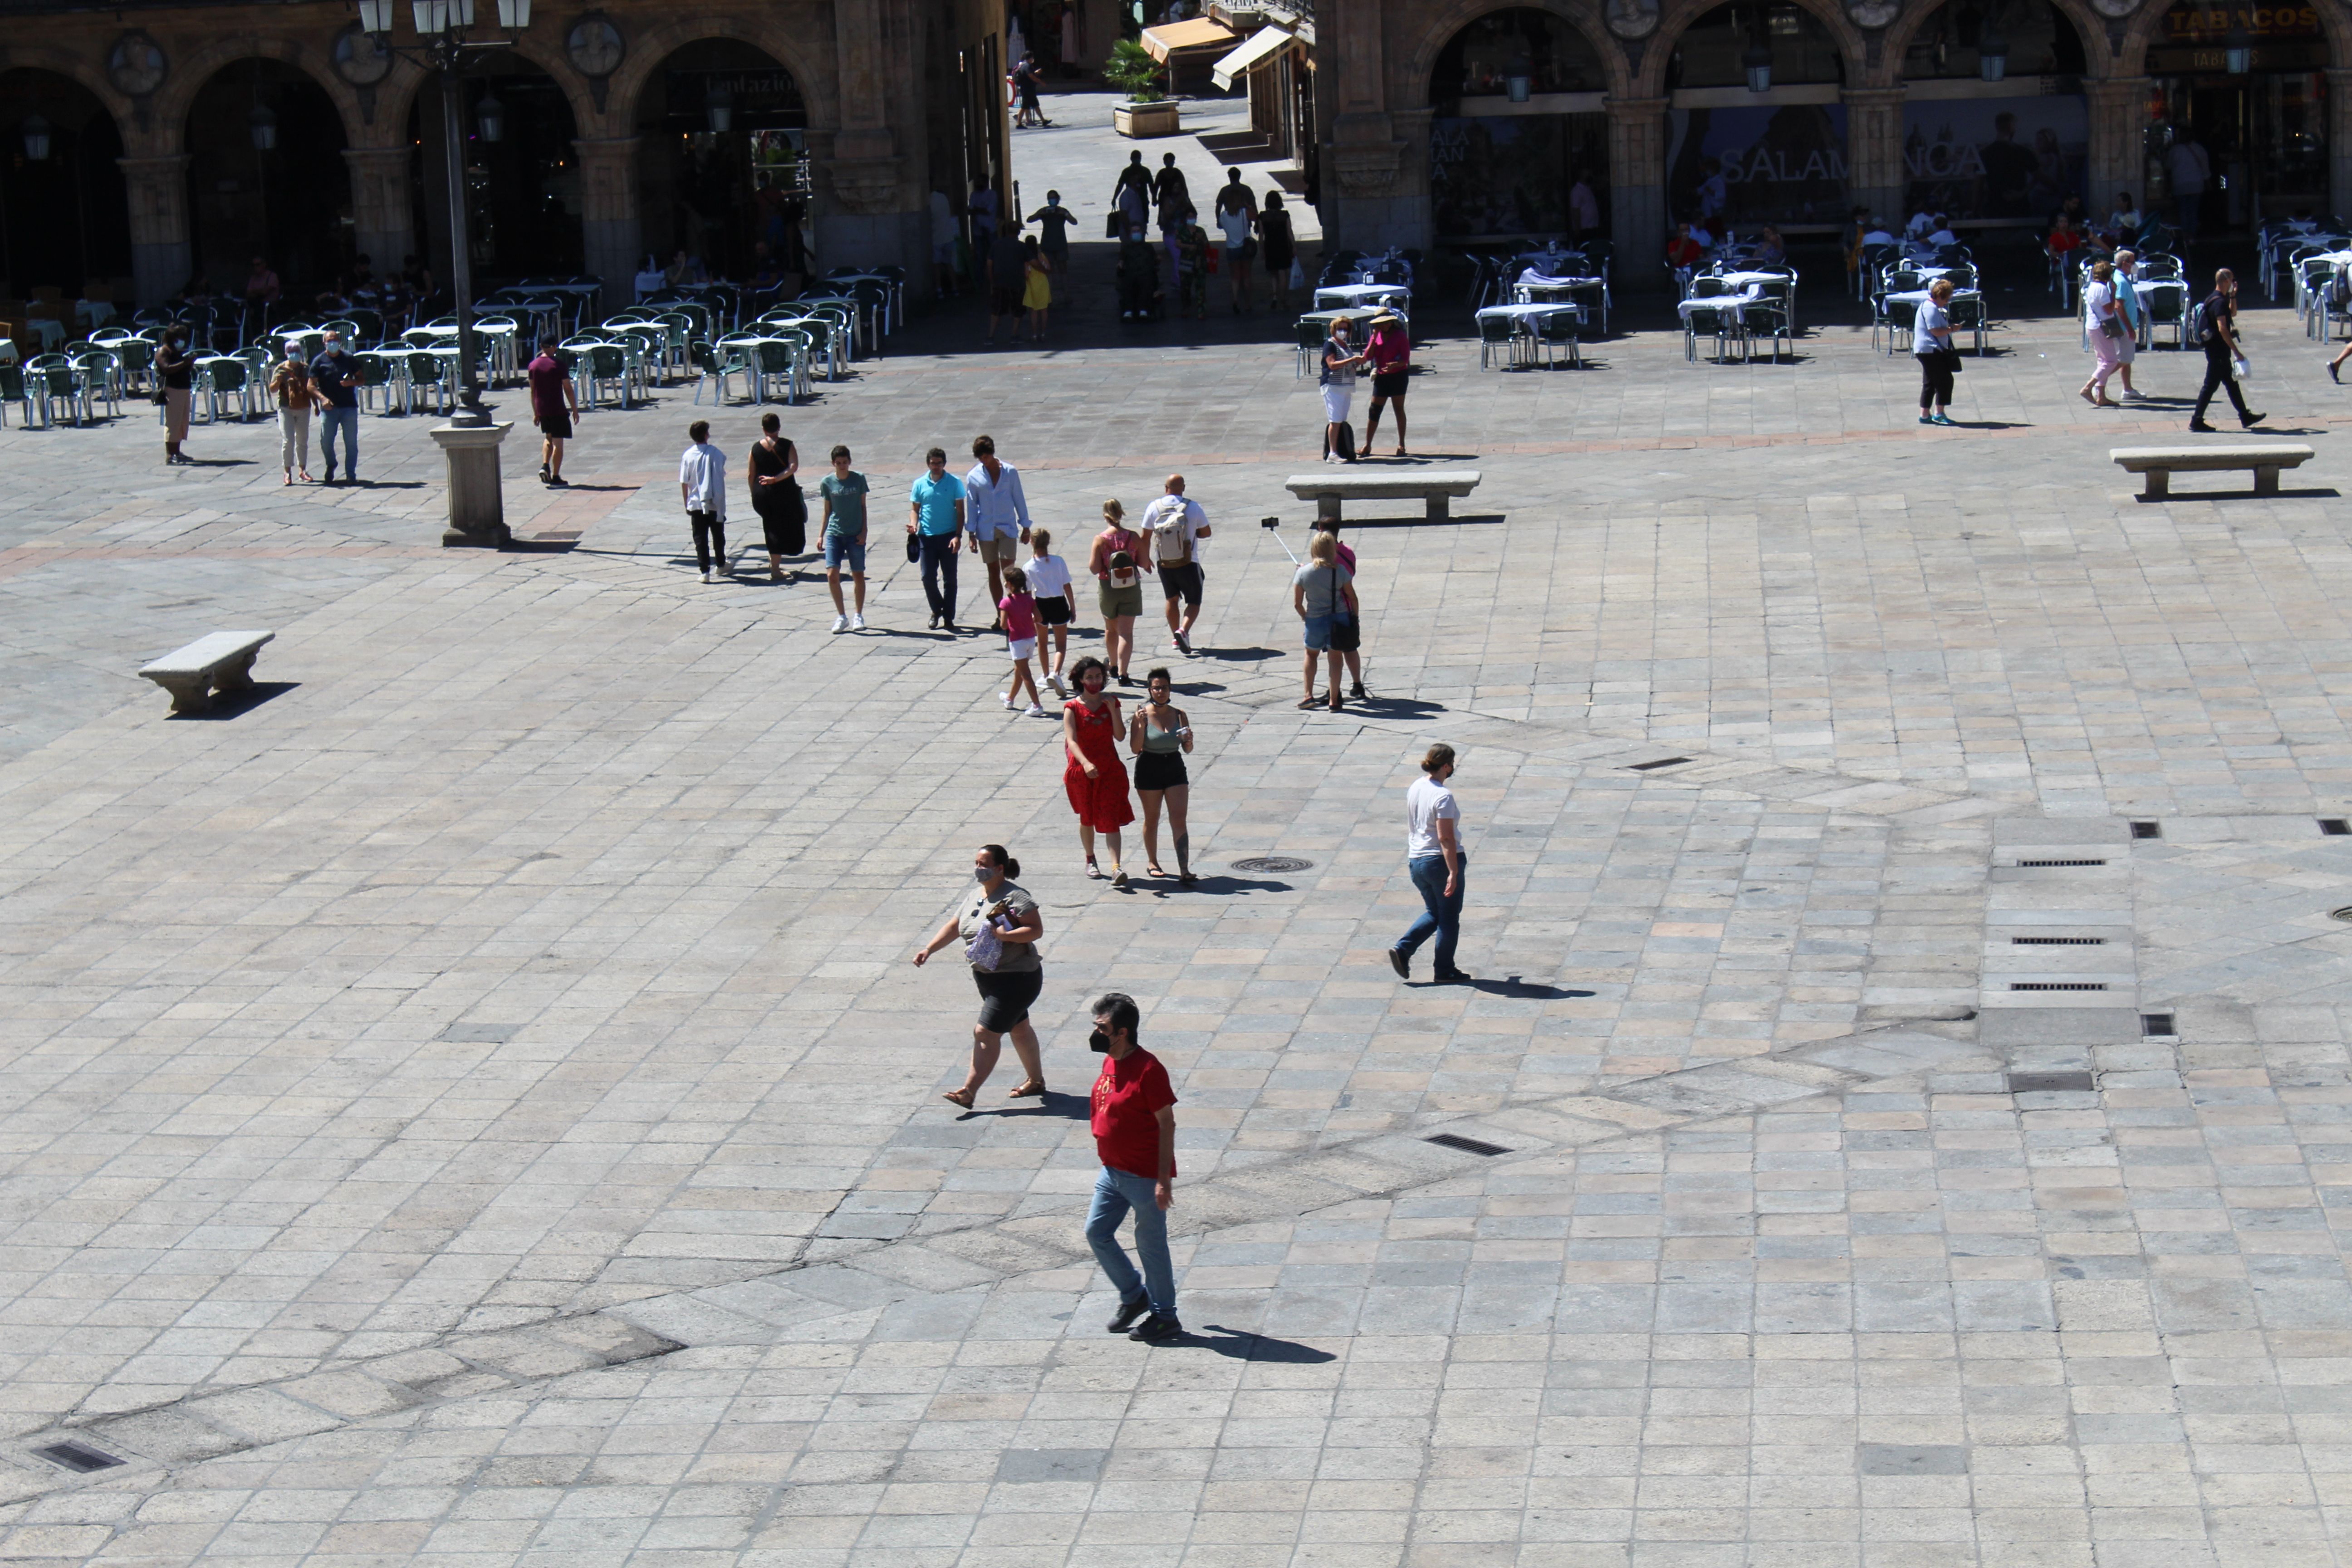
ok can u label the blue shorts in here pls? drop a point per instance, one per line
(1318, 634)
(838, 550)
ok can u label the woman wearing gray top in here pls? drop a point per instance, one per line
(1323, 592)
(1009, 987)
(1158, 734)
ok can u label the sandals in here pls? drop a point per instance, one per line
(1033, 1089)
(1185, 878)
(1311, 702)
(963, 1096)
(1150, 870)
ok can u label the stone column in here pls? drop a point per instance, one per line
(1637, 193)
(867, 223)
(1364, 204)
(2118, 158)
(383, 223)
(161, 254)
(1875, 177)
(2340, 141)
(610, 235)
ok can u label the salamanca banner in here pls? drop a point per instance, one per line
(1779, 164)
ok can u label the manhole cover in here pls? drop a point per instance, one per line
(2343, 914)
(1272, 863)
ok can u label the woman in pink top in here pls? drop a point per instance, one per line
(1390, 354)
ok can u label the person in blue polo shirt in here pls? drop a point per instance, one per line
(935, 516)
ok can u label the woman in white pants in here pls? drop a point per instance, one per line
(289, 384)
(1339, 361)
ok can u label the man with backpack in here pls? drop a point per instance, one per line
(2214, 328)
(1175, 523)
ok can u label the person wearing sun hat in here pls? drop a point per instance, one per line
(1389, 352)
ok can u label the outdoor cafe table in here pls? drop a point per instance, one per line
(1538, 290)
(1344, 294)
(1914, 298)
(1527, 320)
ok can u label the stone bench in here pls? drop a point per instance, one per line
(222, 662)
(2160, 463)
(1437, 487)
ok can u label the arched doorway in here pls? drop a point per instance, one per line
(1518, 126)
(266, 178)
(522, 174)
(1995, 123)
(65, 218)
(1757, 130)
(2240, 93)
(722, 171)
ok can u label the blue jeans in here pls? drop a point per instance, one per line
(940, 559)
(347, 421)
(1441, 915)
(1117, 1191)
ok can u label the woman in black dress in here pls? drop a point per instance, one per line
(775, 489)
(1278, 246)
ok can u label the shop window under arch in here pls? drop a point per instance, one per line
(1749, 147)
(1519, 142)
(2006, 141)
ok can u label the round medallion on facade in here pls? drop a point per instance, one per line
(360, 58)
(595, 46)
(1873, 14)
(2118, 10)
(136, 64)
(1630, 18)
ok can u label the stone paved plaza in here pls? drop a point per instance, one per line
(471, 1106)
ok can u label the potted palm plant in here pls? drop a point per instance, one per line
(1148, 111)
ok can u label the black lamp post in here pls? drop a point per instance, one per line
(445, 27)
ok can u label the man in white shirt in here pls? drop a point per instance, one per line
(1942, 234)
(1175, 523)
(1919, 225)
(996, 514)
(702, 485)
(1439, 869)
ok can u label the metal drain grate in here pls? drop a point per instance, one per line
(1467, 1145)
(1661, 763)
(2158, 1024)
(2046, 863)
(2052, 1083)
(2057, 985)
(2058, 941)
(2335, 826)
(2148, 830)
(1273, 863)
(78, 1457)
(2343, 914)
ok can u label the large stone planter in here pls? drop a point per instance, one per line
(1142, 120)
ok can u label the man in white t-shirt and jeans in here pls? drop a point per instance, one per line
(1439, 869)
(1175, 524)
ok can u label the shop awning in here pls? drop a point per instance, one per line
(1264, 44)
(1188, 36)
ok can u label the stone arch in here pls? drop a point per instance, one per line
(649, 49)
(2140, 35)
(2088, 25)
(1439, 25)
(77, 68)
(178, 94)
(1678, 15)
(542, 48)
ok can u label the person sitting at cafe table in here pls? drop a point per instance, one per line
(1683, 249)
(1770, 249)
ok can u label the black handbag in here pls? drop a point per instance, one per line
(1110, 224)
(914, 547)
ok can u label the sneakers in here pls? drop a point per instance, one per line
(1400, 964)
(857, 622)
(840, 622)
(1117, 878)
(1005, 697)
(1158, 1329)
(2133, 394)
(2201, 426)
(1926, 419)
(2251, 420)
(1055, 681)
(1124, 1318)
(1946, 419)
(1036, 711)
(1183, 643)
(708, 575)
(2331, 374)
(1454, 977)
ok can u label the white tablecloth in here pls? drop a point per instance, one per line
(1342, 294)
(1533, 313)
(1735, 303)
(1756, 280)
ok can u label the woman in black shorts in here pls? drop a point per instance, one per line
(1009, 978)
(1158, 734)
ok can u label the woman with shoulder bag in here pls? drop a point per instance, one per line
(999, 925)
(2106, 326)
(1931, 346)
(1323, 592)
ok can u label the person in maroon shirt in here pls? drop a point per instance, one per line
(554, 405)
(1135, 1135)
(1389, 351)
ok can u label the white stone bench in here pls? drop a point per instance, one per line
(1438, 487)
(222, 662)
(2160, 463)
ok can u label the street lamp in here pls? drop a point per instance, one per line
(1757, 62)
(718, 108)
(470, 441)
(1992, 54)
(37, 139)
(2237, 51)
(263, 123)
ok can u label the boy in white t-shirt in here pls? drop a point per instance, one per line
(1057, 605)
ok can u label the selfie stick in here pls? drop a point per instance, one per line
(1274, 525)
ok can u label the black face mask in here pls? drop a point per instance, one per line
(1098, 1041)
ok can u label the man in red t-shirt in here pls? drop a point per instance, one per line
(1135, 1134)
(554, 405)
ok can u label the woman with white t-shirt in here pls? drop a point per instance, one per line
(1931, 346)
(1057, 605)
(2105, 325)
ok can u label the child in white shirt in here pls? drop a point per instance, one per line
(1058, 604)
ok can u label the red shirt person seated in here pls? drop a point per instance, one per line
(1682, 250)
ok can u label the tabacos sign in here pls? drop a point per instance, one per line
(2211, 24)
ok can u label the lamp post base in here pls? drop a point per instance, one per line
(476, 502)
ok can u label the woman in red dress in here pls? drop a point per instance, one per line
(1094, 777)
